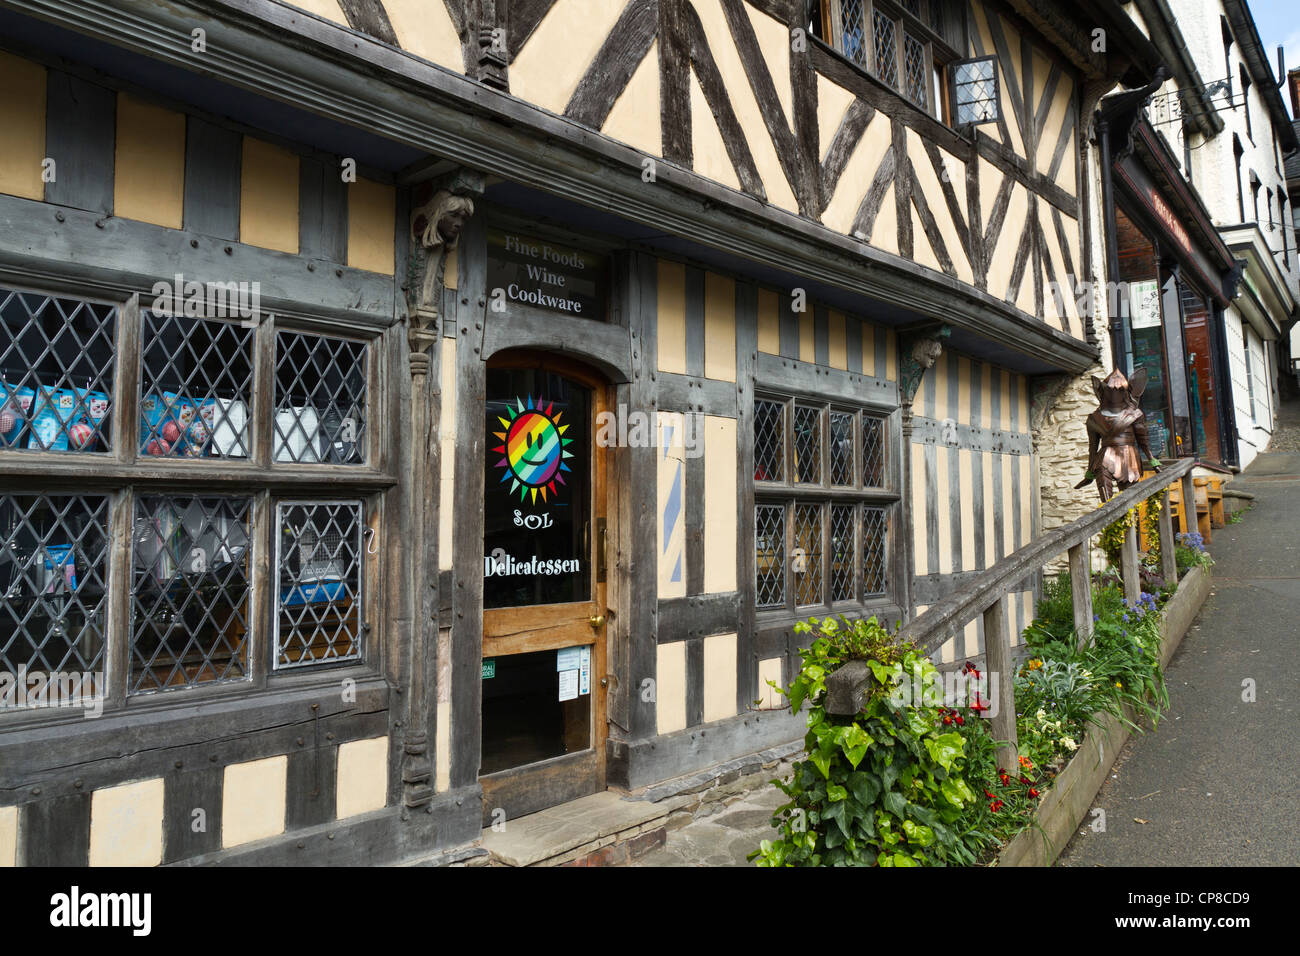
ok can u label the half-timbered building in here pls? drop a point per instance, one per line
(423, 413)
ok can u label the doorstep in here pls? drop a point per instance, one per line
(601, 830)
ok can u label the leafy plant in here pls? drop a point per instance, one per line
(883, 787)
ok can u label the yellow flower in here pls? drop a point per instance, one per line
(1119, 685)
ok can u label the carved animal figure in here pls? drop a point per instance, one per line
(1117, 434)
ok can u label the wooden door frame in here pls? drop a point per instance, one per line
(515, 630)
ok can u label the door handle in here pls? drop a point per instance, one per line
(596, 620)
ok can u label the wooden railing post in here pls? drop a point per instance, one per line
(1081, 590)
(1128, 562)
(1168, 563)
(997, 648)
(1189, 502)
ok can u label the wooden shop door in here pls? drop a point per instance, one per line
(544, 611)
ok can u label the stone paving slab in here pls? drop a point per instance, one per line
(724, 837)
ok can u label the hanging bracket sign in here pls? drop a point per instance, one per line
(530, 271)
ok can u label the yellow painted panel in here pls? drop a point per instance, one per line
(425, 30)
(1007, 507)
(446, 503)
(372, 211)
(918, 508)
(448, 424)
(555, 58)
(719, 327)
(720, 522)
(768, 697)
(362, 777)
(149, 163)
(884, 234)
(947, 651)
(986, 395)
(971, 638)
(670, 687)
(670, 451)
(709, 154)
(943, 508)
(743, 101)
(126, 824)
(922, 252)
(22, 117)
(932, 189)
(268, 197)
(832, 101)
(769, 322)
(990, 510)
(940, 373)
(1004, 256)
(1062, 104)
(891, 356)
(963, 390)
(869, 333)
(253, 800)
(719, 677)
(807, 337)
(443, 756)
(966, 480)
(1004, 380)
(635, 117)
(1022, 403)
(990, 181)
(837, 340)
(9, 833)
(857, 176)
(672, 317)
(1026, 500)
(774, 43)
(451, 273)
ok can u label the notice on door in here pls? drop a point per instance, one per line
(527, 270)
(568, 685)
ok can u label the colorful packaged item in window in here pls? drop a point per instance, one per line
(15, 406)
(53, 413)
(60, 563)
(163, 423)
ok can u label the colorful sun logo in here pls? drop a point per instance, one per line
(533, 448)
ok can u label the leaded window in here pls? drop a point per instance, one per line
(822, 538)
(975, 91)
(165, 438)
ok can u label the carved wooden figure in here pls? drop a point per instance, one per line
(1117, 434)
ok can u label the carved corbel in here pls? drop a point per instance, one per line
(920, 348)
(439, 212)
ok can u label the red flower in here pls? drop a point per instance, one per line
(987, 794)
(960, 721)
(1024, 779)
(978, 706)
(995, 806)
(1026, 763)
(1002, 775)
(1033, 792)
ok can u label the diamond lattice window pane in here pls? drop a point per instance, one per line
(195, 383)
(875, 553)
(769, 555)
(853, 34)
(769, 441)
(806, 556)
(57, 357)
(807, 444)
(916, 70)
(318, 606)
(53, 571)
(886, 42)
(873, 452)
(843, 552)
(975, 91)
(190, 591)
(320, 399)
(841, 448)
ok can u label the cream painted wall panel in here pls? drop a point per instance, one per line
(884, 234)
(708, 153)
(837, 340)
(268, 197)
(744, 103)
(719, 327)
(956, 177)
(857, 176)
(443, 755)
(774, 42)
(9, 833)
(671, 503)
(768, 697)
(1062, 302)
(372, 212)
(832, 102)
(1062, 103)
(448, 424)
(1004, 250)
(986, 384)
(22, 117)
(1027, 496)
(967, 478)
(362, 777)
(671, 328)
(670, 687)
(932, 188)
(720, 497)
(329, 9)
(253, 800)
(891, 356)
(126, 824)
(990, 181)
(635, 117)
(940, 372)
(719, 677)
(446, 503)
(963, 413)
(1021, 390)
(451, 269)
(1004, 387)
(807, 338)
(149, 163)
(769, 322)
(555, 58)
(943, 508)
(918, 509)
(922, 251)
(425, 29)
(971, 638)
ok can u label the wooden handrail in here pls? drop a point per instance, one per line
(985, 594)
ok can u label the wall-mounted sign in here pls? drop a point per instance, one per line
(527, 270)
(1144, 304)
(1169, 219)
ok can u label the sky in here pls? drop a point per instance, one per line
(1277, 22)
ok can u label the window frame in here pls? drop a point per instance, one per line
(125, 472)
(790, 494)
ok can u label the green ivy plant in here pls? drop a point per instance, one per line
(883, 787)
